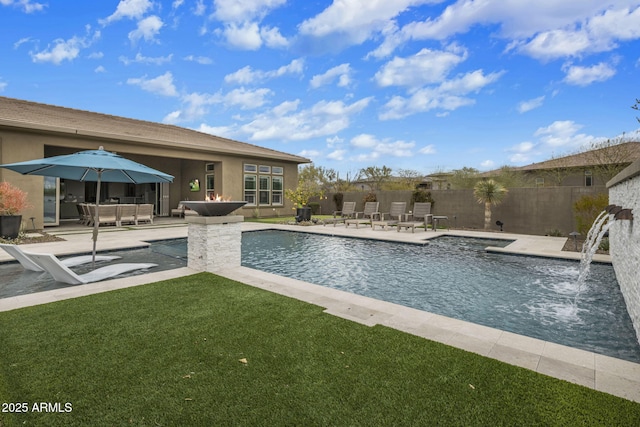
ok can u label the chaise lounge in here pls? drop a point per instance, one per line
(28, 264)
(394, 216)
(420, 217)
(367, 216)
(62, 273)
(348, 211)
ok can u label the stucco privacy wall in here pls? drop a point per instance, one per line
(525, 210)
(624, 239)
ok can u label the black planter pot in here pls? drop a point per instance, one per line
(303, 214)
(10, 226)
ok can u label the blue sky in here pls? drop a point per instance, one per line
(425, 85)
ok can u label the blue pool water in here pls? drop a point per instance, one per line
(455, 277)
(168, 255)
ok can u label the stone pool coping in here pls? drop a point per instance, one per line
(610, 375)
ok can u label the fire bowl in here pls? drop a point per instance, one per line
(206, 208)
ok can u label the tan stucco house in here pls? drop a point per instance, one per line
(203, 165)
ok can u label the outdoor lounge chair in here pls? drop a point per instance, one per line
(367, 216)
(28, 264)
(420, 216)
(107, 214)
(126, 213)
(348, 211)
(62, 273)
(394, 216)
(144, 214)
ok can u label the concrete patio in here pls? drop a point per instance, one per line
(603, 373)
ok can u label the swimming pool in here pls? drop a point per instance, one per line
(455, 277)
(168, 254)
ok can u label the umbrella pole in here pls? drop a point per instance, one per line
(96, 221)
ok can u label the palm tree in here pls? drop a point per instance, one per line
(490, 193)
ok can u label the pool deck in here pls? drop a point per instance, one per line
(614, 376)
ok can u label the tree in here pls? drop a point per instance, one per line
(490, 193)
(312, 181)
(376, 176)
(511, 178)
(636, 106)
(464, 178)
(609, 157)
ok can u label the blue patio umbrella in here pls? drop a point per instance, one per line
(93, 166)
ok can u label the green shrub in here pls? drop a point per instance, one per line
(338, 199)
(315, 207)
(554, 233)
(587, 209)
(421, 195)
(370, 197)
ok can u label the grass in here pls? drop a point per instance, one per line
(203, 350)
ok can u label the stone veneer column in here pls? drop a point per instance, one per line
(624, 239)
(214, 242)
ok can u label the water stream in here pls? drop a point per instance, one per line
(596, 233)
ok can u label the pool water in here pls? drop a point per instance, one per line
(168, 254)
(456, 277)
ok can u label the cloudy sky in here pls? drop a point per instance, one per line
(427, 85)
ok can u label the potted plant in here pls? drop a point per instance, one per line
(12, 201)
(300, 197)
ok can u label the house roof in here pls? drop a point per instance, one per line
(589, 158)
(43, 117)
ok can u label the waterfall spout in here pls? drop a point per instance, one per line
(596, 233)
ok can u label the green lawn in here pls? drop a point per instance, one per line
(207, 351)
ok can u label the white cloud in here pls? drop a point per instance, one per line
(3, 86)
(161, 85)
(100, 69)
(247, 99)
(384, 147)
(337, 154)
(341, 72)
(139, 59)
(543, 29)
(487, 164)
(27, 6)
(425, 67)
(147, 29)
(223, 131)
(449, 95)
(310, 154)
(131, 9)
(241, 21)
(246, 75)
(286, 122)
(531, 104)
(199, 59)
(428, 149)
(351, 22)
(584, 76)
(563, 133)
(65, 50)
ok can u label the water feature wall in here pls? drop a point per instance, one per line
(624, 238)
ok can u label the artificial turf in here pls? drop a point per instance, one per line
(204, 350)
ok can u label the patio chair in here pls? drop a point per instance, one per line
(366, 216)
(348, 211)
(182, 211)
(145, 214)
(62, 273)
(394, 216)
(107, 214)
(126, 213)
(86, 218)
(27, 264)
(420, 216)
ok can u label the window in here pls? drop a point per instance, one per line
(210, 185)
(250, 189)
(588, 179)
(277, 183)
(209, 167)
(265, 190)
(261, 187)
(539, 182)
